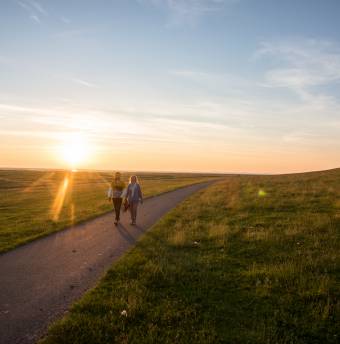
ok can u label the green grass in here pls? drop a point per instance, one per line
(252, 259)
(34, 204)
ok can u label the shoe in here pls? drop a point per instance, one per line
(116, 223)
(132, 223)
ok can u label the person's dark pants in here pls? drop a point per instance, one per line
(117, 203)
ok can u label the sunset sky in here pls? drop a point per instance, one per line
(170, 85)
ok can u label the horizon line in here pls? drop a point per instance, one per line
(75, 170)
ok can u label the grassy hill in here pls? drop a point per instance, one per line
(252, 259)
(36, 203)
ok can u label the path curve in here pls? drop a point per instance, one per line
(40, 280)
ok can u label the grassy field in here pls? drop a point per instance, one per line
(252, 259)
(35, 203)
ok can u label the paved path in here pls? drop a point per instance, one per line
(40, 280)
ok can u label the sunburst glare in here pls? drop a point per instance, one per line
(75, 150)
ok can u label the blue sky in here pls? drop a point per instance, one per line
(192, 85)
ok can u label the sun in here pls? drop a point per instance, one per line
(75, 150)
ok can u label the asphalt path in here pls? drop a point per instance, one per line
(40, 280)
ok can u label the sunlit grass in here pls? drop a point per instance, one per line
(35, 203)
(226, 266)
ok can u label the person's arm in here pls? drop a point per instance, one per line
(124, 194)
(109, 193)
(124, 190)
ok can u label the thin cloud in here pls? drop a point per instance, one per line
(305, 67)
(65, 20)
(84, 83)
(302, 64)
(37, 7)
(221, 81)
(17, 108)
(34, 9)
(189, 11)
(191, 74)
(35, 18)
(191, 8)
(71, 33)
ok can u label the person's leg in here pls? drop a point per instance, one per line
(136, 210)
(134, 206)
(118, 206)
(131, 211)
(115, 205)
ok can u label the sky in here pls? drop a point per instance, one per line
(245, 86)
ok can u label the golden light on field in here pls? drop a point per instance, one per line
(59, 199)
(75, 149)
(45, 178)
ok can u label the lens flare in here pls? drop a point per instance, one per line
(262, 193)
(59, 200)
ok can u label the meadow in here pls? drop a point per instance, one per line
(36, 203)
(251, 259)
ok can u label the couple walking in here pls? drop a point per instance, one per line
(131, 195)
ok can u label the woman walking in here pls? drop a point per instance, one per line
(117, 187)
(134, 195)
